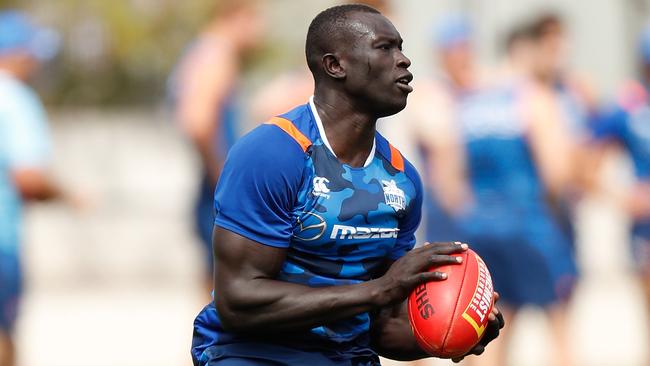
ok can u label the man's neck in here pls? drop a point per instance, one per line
(349, 130)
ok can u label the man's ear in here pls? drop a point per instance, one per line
(333, 67)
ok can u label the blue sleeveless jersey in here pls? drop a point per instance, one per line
(500, 169)
(282, 186)
(225, 136)
(510, 218)
(629, 124)
(573, 109)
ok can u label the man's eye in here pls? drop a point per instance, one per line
(385, 47)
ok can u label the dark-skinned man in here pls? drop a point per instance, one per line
(316, 214)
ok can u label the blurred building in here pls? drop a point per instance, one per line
(118, 52)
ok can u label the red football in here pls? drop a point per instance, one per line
(449, 317)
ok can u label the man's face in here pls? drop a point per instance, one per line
(376, 68)
(551, 52)
(457, 60)
(251, 24)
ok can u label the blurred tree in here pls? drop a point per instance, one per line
(114, 52)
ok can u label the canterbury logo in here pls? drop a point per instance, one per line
(351, 232)
(320, 187)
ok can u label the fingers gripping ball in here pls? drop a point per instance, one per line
(449, 317)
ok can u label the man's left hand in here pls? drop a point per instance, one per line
(495, 323)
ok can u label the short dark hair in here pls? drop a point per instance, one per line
(545, 23)
(519, 32)
(327, 28)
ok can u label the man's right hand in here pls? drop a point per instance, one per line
(413, 268)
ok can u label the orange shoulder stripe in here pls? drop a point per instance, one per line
(288, 127)
(396, 159)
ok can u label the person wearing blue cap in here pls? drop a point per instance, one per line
(490, 171)
(453, 38)
(626, 124)
(24, 152)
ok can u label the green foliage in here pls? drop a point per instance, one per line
(114, 51)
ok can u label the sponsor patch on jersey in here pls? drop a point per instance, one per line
(311, 227)
(359, 232)
(393, 195)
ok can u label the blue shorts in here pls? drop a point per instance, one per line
(534, 266)
(279, 350)
(641, 246)
(267, 354)
(10, 290)
(520, 274)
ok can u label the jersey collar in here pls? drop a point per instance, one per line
(321, 131)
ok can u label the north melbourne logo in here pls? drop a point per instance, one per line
(320, 188)
(393, 196)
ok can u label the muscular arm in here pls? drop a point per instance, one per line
(250, 299)
(444, 154)
(446, 167)
(206, 79)
(550, 143)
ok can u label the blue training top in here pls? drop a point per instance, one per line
(500, 169)
(24, 143)
(283, 186)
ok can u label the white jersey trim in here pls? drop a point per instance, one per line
(321, 131)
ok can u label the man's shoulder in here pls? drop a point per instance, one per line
(301, 117)
(396, 159)
(285, 136)
(20, 107)
(15, 92)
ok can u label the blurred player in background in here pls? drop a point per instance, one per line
(296, 283)
(432, 123)
(557, 105)
(505, 152)
(627, 125)
(24, 154)
(576, 102)
(428, 127)
(204, 90)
